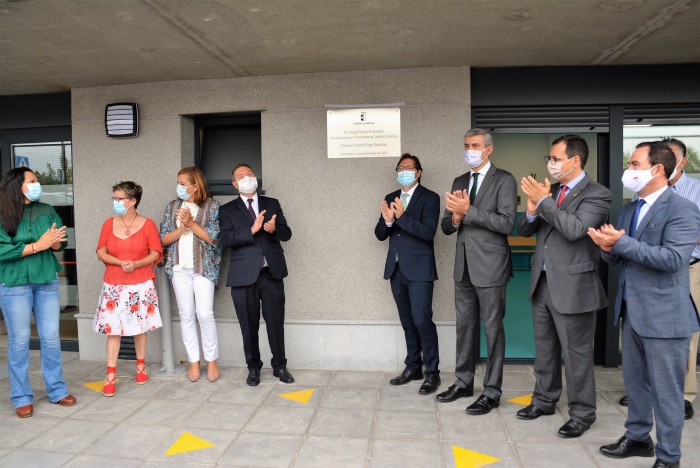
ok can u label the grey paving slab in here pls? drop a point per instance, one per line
(460, 425)
(241, 394)
(91, 461)
(44, 408)
(350, 397)
(191, 391)
(609, 381)
(69, 436)
(128, 388)
(321, 452)
(312, 378)
(405, 425)
(15, 432)
(542, 429)
(518, 381)
(502, 450)
(163, 413)
(344, 422)
(209, 455)
(605, 462)
(114, 409)
(262, 450)
(221, 415)
(605, 430)
(356, 379)
(34, 459)
(551, 455)
(405, 398)
(275, 398)
(405, 453)
(280, 420)
(129, 441)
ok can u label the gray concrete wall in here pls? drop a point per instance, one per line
(332, 205)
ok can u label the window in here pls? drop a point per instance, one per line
(224, 140)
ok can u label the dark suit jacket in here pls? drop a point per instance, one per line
(482, 241)
(412, 236)
(564, 246)
(247, 250)
(654, 267)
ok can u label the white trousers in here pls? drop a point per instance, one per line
(195, 296)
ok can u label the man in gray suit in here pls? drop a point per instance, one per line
(653, 243)
(481, 208)
(565, 288)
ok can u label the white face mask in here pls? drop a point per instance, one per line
(555, 169)
(473, 157)
(674, 173)
(636, 180)
(248, 184)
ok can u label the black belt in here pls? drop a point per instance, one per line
(694, 261)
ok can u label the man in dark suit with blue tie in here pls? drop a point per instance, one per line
(409, 219)
(653, 244)
(253, 226)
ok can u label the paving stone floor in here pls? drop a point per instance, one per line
(351, 419)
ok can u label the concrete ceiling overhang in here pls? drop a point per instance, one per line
(56, 45)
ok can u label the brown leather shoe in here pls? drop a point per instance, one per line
(25, 411)
(67, 401)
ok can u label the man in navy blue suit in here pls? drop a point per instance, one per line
(409, 219)
(253, 226)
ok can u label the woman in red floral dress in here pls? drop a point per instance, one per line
(129, 245)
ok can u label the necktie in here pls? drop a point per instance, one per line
(635, 217)
(404, 200)
(562, 194)
(475, 183)
(250, 208)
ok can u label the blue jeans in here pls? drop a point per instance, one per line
(17, 304)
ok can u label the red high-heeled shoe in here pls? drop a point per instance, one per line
(110, 389)
(141, 375)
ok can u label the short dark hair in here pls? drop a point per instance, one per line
(660, 153)
(414, 158)
(575, 146)
(130, 189)
(677, 142)
(238, 166)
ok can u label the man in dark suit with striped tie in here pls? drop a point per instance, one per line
(253, 226)
(565, 287)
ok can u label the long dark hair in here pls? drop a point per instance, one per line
(12, 199)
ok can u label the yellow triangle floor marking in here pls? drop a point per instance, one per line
(524, 400)
(188, 443)
(302, 396)
(97, 386)
(467, 459)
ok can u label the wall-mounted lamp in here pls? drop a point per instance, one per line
(122, 119)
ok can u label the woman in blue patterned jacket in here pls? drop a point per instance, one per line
(190, 236)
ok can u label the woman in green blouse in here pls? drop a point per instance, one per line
(29, 286)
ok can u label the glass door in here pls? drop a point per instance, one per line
(53, 164)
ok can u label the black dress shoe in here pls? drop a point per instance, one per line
(283, 374)
(455, 392)
(430, 385)
(572, 429)
(689, 412)
(532, 412)
(664, 464)
(253, 377)
(623, 401)
(625, 447)
(406, 376)
(482, 405)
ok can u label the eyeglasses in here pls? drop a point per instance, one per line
(120, 199)
(405, 168)
(549, 158)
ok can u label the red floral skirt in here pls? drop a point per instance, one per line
(127, 310)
